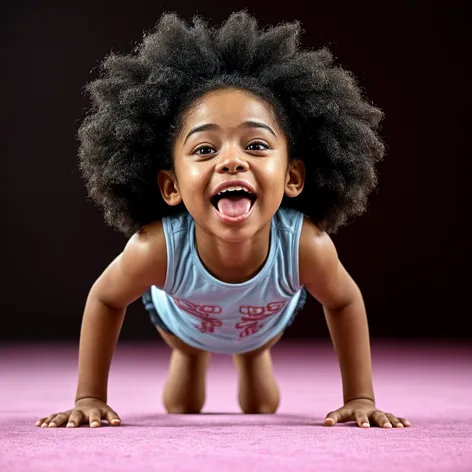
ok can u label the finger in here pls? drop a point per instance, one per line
(405, 422)
(40, 421)
(112, 418)
(95, 418)
(332, 418)
(381, 419)
(362, 419)
(58, 420)
(75, 419)
(394, 420)
(47, 420)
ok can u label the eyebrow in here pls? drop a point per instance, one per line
(212, 126)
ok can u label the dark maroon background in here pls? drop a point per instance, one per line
(409, 253)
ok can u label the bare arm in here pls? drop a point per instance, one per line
(328, 281)
(140, 265)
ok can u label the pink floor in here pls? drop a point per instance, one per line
(430, 384)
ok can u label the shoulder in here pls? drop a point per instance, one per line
(316, 248)
(146, 253)
(321, 270)
(142, 263)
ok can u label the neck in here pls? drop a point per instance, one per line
(233, 262)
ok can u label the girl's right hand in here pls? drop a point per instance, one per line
(86, 410)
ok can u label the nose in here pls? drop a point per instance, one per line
(231, 162)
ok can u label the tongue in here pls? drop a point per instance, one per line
(234, 206)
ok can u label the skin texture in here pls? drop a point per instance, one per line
(205, 156)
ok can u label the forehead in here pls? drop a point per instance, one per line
(229, 108)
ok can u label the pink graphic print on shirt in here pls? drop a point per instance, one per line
(202, 312)
(252, 315)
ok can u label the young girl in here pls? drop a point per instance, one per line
(227, 155)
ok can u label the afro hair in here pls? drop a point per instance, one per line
(140, 99)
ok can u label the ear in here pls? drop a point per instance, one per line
(295, 179)
(168, 187)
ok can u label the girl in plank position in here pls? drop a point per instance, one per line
(227, 156)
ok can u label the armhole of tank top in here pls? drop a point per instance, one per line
(169, 281)
(296, 250)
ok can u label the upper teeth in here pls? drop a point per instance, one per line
(230, 189)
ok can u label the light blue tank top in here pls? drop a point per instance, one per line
(221, 317)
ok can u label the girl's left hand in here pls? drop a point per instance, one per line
(363, 412)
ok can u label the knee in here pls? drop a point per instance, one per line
(183, 404)
(263, 408)
(183, 409)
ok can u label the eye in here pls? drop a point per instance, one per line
(257, 146)
(204, 150)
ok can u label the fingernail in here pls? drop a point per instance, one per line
(407, 423)
(94, 424)
(52, 425)
(115, 421)
(70, 425)
(387, 425)
(44, 425)
(37, 423)
(365, 425)
(399, 425)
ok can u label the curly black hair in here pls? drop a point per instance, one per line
(140, 100)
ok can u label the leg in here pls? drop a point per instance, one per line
(185, 388)
(258, 391)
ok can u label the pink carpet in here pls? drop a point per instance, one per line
(430, 384)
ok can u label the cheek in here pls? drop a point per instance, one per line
(192, 177)
(194, 172)
(274, 172)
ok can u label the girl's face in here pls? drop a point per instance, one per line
(231, 138)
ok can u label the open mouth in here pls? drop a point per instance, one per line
(234, 203)
(234, 196)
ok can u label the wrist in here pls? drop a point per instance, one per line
(89, 397)
(371, 399)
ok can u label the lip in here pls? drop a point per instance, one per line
(231, 183)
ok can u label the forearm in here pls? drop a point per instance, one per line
(349, 332)
(101, 326)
